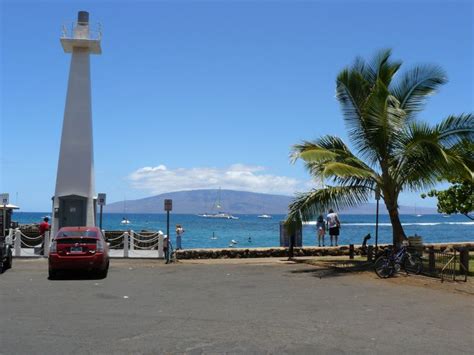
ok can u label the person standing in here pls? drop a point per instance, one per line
(321, 229)
(179, 234)
(333, 225)
(43, 228)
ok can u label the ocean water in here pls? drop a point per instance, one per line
(265, 232)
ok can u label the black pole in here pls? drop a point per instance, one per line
(377, 227)
(100, 223)
(168, 226)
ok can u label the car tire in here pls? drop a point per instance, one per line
(52, 274)
(103, 273)
(9, 262)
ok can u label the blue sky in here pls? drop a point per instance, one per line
(195, 94)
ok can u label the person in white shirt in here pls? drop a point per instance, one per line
(333, 225)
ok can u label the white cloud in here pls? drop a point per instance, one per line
(242, 177)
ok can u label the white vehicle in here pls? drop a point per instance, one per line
(265, 216)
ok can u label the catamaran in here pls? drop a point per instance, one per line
(218, 214)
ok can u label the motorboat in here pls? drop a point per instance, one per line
(265, 216)
(125, 221)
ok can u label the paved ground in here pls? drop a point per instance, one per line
(147, 307)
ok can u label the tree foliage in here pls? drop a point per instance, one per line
(393, 152)
(458, 198)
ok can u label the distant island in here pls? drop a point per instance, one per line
(235, 202)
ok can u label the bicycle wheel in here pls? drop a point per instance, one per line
(413, 264)
(382, 266)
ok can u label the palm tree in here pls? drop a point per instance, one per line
(393, 151)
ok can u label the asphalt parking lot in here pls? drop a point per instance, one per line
(148, 307)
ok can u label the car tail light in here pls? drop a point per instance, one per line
(54, 247)
(100, 245)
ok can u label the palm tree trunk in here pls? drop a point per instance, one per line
(397, 228)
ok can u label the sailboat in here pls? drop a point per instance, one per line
(417, 214)
(124, 218)
(218, 214)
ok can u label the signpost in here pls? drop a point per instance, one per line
(4, 197)
(168, 208)
(101, 199)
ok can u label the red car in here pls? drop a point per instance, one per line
(79, 248)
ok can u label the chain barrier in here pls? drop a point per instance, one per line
(30, 238)
(28, 246)
(116, 238)
(146, 236)
(150, 247)
(144, 241)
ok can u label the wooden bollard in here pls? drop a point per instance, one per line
(464, 260)
(370, 253)
(351, 251)
(431, 259)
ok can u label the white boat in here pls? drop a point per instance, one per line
(265, 216)
(221, 215)
(125, 221)
(218, 214)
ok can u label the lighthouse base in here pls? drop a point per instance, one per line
(72, 211)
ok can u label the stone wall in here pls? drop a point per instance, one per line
(237, 253)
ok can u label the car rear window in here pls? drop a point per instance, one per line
(91, 234)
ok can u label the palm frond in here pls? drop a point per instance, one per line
(423, 158)
(454, 129)
(307, 206)
(416, 85)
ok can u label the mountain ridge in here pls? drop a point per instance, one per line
(235, 202)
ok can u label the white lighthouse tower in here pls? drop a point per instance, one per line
(74, 197)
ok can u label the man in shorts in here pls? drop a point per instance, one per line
(333, 226)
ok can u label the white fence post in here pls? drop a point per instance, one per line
(125, 245)
(46, 243)
(161, 253)
(9, 238)
(17, 242)
(132, 241)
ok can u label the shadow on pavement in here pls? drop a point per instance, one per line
(333, 268)
(76, 276)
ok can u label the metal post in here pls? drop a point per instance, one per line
(464, 260)
(100, 220)
(168, 225)
(351, 251)
(431, 259)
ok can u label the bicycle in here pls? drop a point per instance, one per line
(392, 261)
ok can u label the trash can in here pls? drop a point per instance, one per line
(285, 234)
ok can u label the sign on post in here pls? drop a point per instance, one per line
(168, 205)
(101, 198)
(4, 198)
